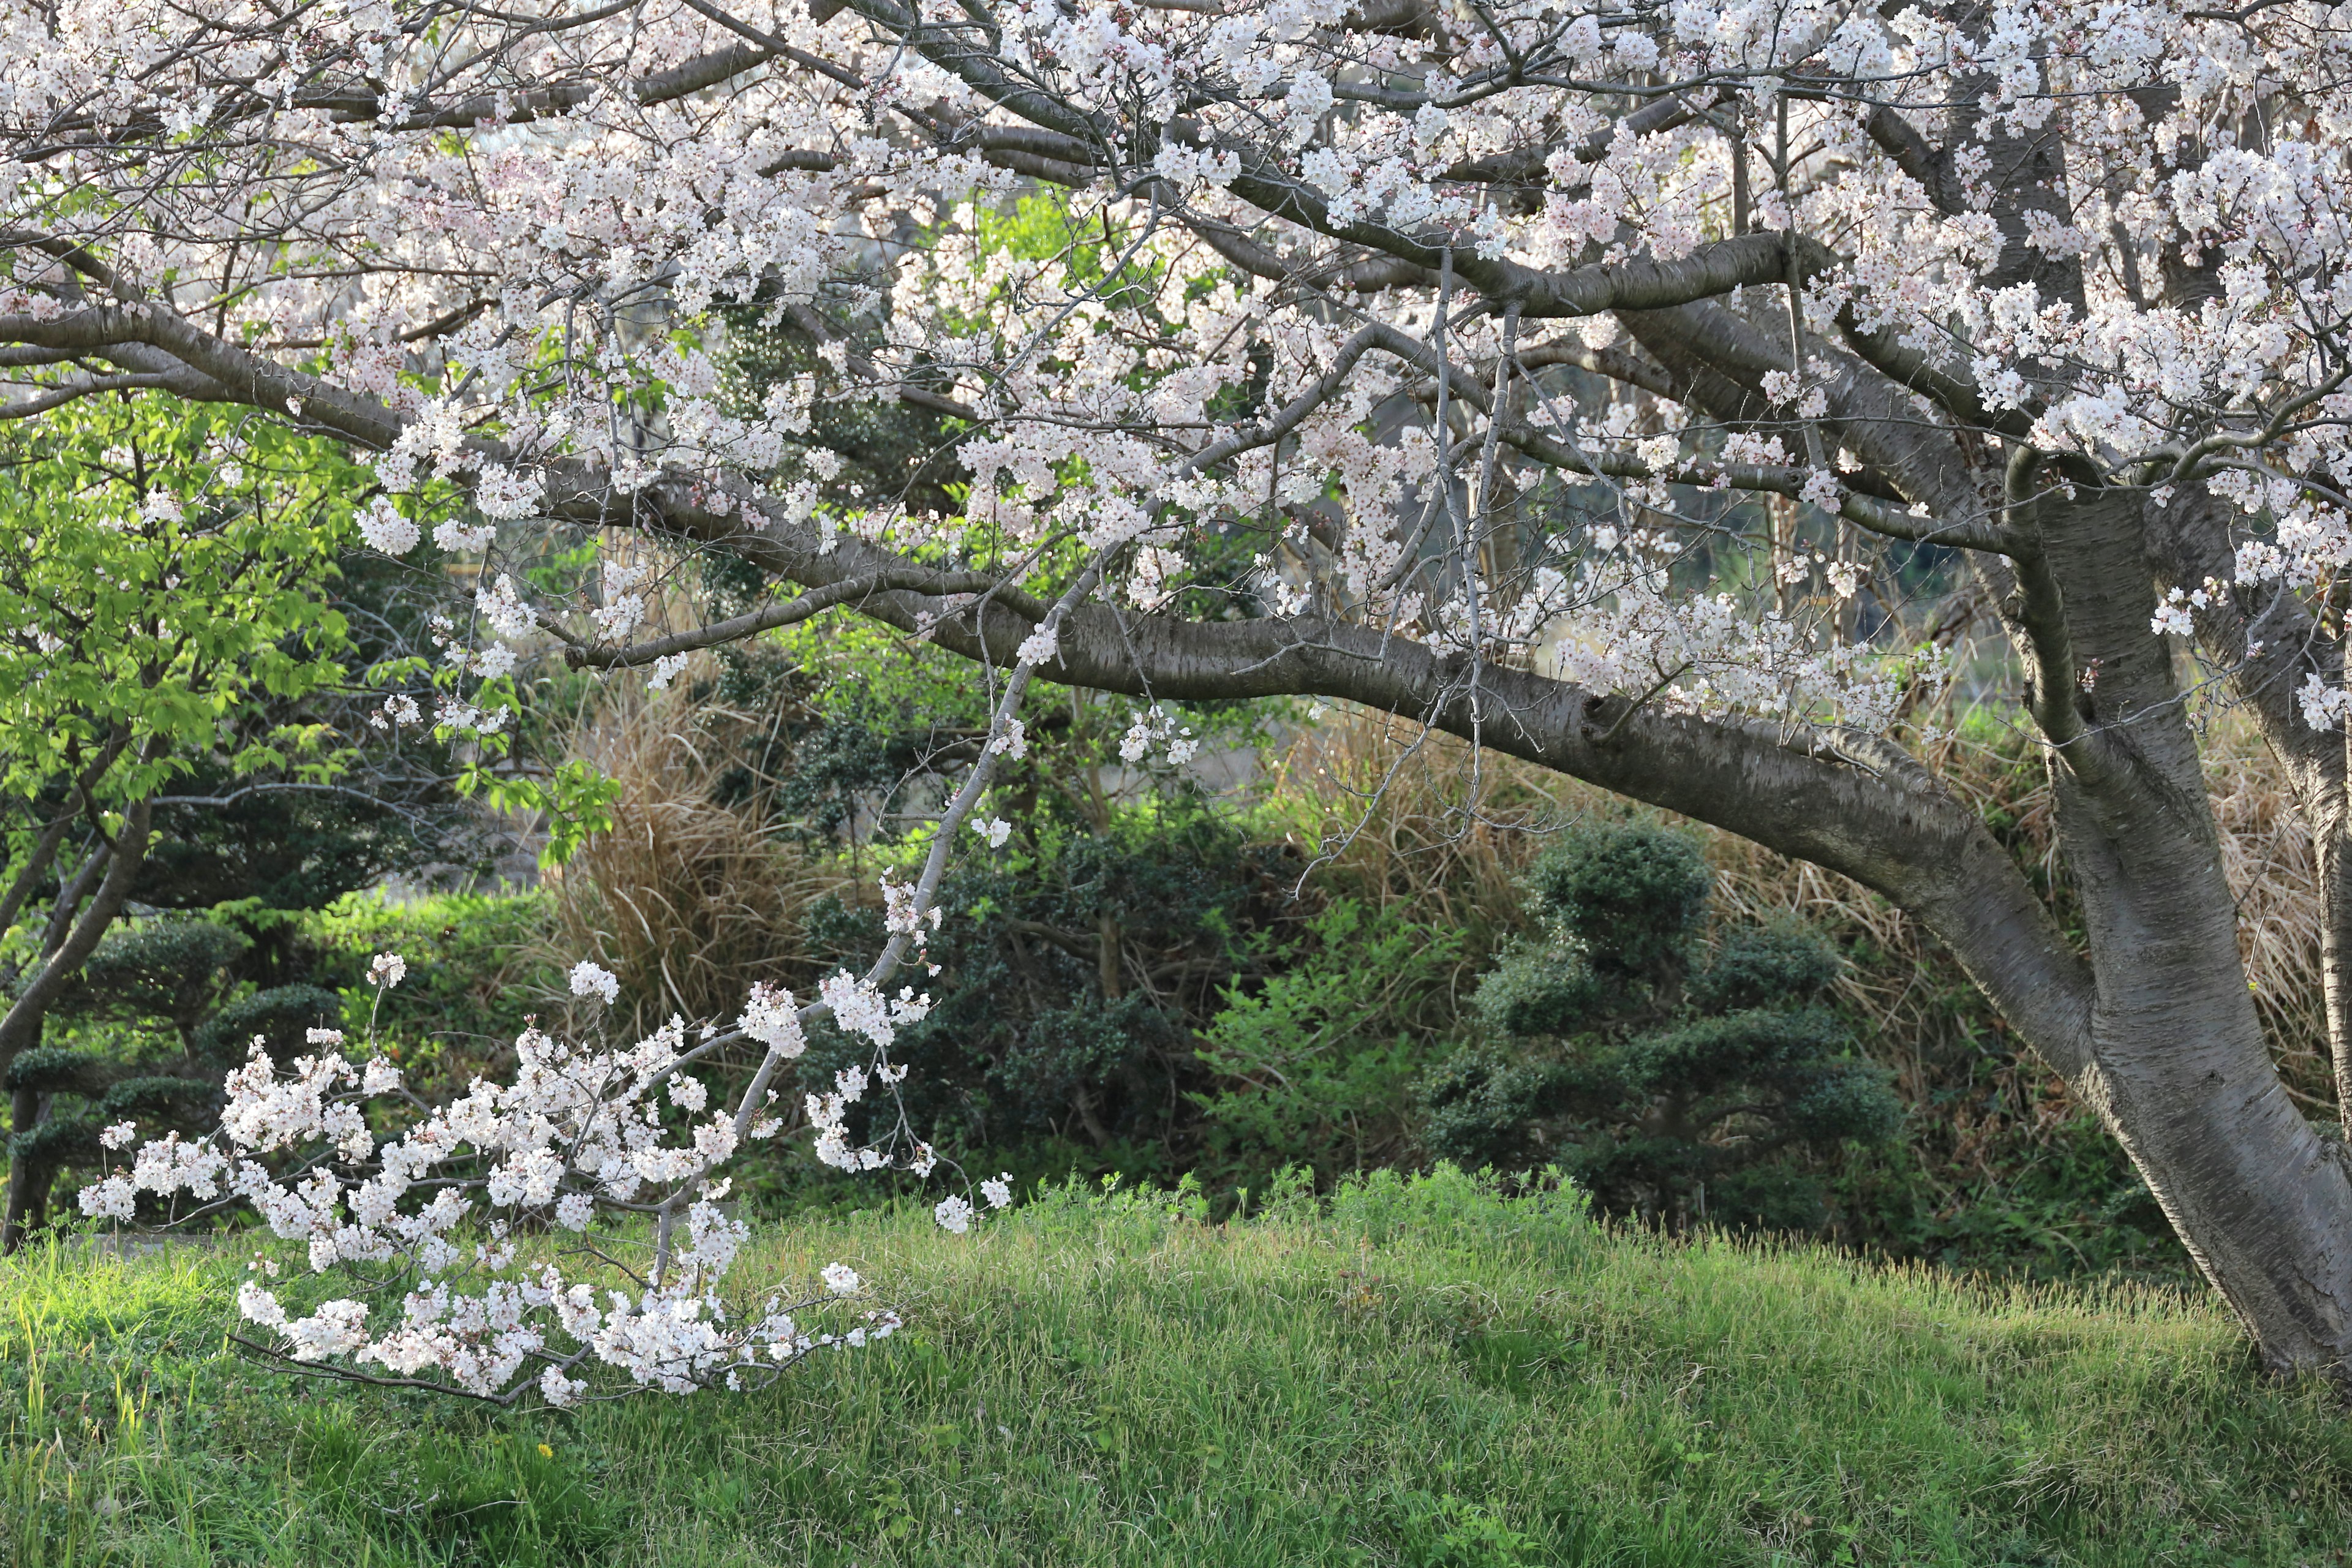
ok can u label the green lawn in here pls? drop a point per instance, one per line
(1424, 1376)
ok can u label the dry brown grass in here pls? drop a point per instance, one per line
(689, 901)
(1383, 804)
(2266, 852)
(1381, 810)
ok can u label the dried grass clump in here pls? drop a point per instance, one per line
(2267, 854)
(1391, 814)
(689, 899)
(1415, 823)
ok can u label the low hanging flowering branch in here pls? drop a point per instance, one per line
(578, 1135)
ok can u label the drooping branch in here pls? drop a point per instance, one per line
(1859, 808)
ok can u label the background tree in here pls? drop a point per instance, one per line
(1428, 359)
(179, 733)
(1672, 1083)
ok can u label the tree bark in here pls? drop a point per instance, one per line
(2176, 1066)
(20, 1026)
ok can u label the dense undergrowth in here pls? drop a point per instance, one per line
(1291, 954)
(1407, 1372)
(1298, 960)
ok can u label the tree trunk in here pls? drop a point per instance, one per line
(73, 938)
(23, 1114)
(30, 1216)
(2179, 1071)
(2176, 1066)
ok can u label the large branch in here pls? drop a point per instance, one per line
(1719, 360)
(1710, 270)
(1855, 806)
(358, 103)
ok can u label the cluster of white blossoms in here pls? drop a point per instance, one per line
(1159, 729)
(438, 1196)
(453, 235)
(1700, 654)
(443, 1203)
(444, 1197)
(1426, 310)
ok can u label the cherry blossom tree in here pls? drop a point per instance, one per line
(1600, 384)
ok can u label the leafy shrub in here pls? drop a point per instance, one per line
(477, 972)
(1316, 1069)
(1671, 1084)
(1073, 970)
(1627, 899)
(172, 970)
(281, 1017)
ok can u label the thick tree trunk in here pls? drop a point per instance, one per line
(2272, 644)
(2180, 1072)
(2176, 1065)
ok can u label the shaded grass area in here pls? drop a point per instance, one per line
(1413, 1372)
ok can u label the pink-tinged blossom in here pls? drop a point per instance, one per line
(112, 1198)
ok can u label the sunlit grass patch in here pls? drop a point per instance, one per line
(1416, 1374)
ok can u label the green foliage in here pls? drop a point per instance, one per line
(2057, 1199)
(277, 849)
(478, 971)
(1313, 1069)
(1671, 1088)
(1629, 897)
(171, 580)
(1421, 1371)
(56, 1070)
(280, 1017)
(172, 970)
(1538, 988)
(1077, 959)
(570, 802)
(1760, 965)
(161, 569)
(1073, 965)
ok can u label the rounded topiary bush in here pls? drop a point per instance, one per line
(1672, 1083)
